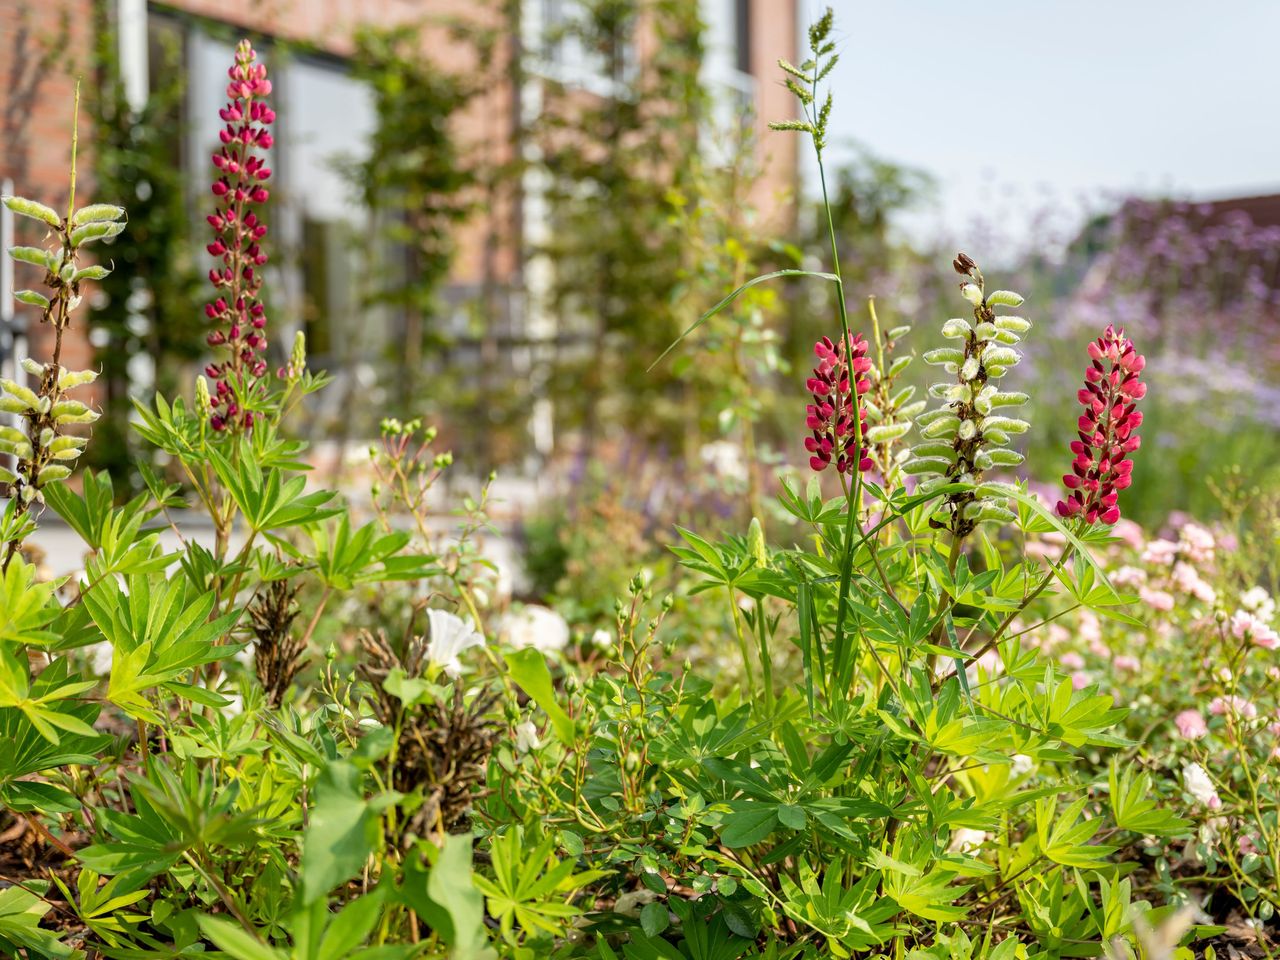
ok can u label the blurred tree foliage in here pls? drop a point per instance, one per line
(419, 181)
(150, 306)
(612, 146)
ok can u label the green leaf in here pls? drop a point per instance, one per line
(654, 918)
(529, 669)
(749, 825)
(234, 940)
(341, 834)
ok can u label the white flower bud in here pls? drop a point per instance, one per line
(970, 369)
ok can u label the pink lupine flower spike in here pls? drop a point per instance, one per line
(830, 416)
(1107, 436)
(237, 314)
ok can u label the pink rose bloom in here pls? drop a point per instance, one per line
(1130, 578)
(1156, 599)
(1160, 552)
(1080, 680)
(1071, 660)
(1196, 542)
(1241, 707)
(1189, 581)
(1191, 725)
(1247, 626)
(1126, 662)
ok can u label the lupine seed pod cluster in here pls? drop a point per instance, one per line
(968, 434)
(889, 409)
(238, 314)
(830, 417)
(1107, 429)
(43, 451)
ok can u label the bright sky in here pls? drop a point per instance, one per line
(1010, 103)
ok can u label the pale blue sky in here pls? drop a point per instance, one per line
(1009, 101)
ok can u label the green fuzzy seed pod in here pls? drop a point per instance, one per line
(1013, 324)
(13, 405)
(32, 255)
(941, 428)
(1004, 298)
(912, 410)
(1000, 457)
(62, 444)
(897, 333)
(944, 355)
(903, 396)
(46, 437)
(31, 298)
(97, 212)
(984, 331)
(944, 450)
(20, 451)
(36, 211)
(1006, 425)
(888, 432)
(95, 272)
(103, 230)
(22, 393)
(898, 365)
(51, 473)
(70, 380)
(34, 369)
(1000, 356)
(956, 329)
(1012, 399)
(995, 371)
(926, 465)
(927, 418)
(997, 437)
(1004, 336)
(12, 435)
(7, 475)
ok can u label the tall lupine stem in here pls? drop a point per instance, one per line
(238, 313)
(966, 436)
(44, 452)
(1107, 436)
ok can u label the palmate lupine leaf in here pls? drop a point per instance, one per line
(159, 631)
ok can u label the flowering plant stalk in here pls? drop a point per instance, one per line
(45, 452)
(238, 313)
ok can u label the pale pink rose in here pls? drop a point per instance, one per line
(1080, 679)
(1161, 553)
(1188, 580)
(1071, 660)
(1220, 706)
(1126, 662)
(1191, 725)
(1248, 626)
(1196, 542)
(1156, 599)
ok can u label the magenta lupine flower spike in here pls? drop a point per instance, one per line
(830, 416)
(1107, 436)
(238, 314)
